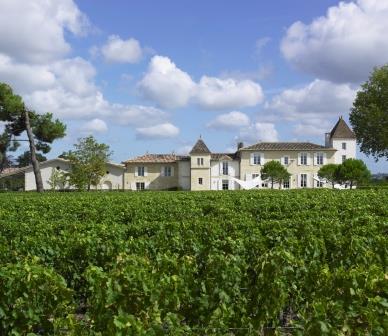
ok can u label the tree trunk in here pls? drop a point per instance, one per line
(351, 184)
(34, 161)
(271, 183)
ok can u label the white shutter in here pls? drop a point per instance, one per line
(308, 184)
(315, 159)
(136, 171)
(324, 158)
(146, 185)
(252, 158)
(219, 184)
(262, 159)
(145, 171)
(220, 168)
(231, 169)
(299, 163)
(308, 159)
(162, 171)
(172, 171)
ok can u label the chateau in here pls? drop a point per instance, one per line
(204, 170)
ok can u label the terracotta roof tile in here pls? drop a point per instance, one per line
(157, 158)
(341, 130)
(224, 156)
(200, 148)
(278, 146)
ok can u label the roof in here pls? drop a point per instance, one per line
(157, 158)
(282, 146)
(200, 148)
(223, 156)
(341, 130)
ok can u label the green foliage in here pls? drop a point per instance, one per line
(185, 263)
(57, 180)
(353, 171)
(24, 159)
(275, 172)
(88, 161)
(329, 172)
(369, 114)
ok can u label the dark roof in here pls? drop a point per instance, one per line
(278, 146)
(224, 156)
(200, 148)
(341, 130)
(157, 158)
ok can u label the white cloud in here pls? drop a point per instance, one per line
(117, 50)
(170, 87)
(256, 132)
(231, 120)
(165, 84)
(138, 115)
(342, 46)
(184, 150)
(95, 126)
(33, 31)
(318, 100)
(162, 131)
(214, 93)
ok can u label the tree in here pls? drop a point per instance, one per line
(329, 172)
(275, 172)
(24, 159)
(88, 162)
(41, 129)
(57, 180)
(353, 171)
(369, 114)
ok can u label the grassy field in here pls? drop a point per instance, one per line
(308, 262)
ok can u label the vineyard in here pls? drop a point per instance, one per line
(298, 262)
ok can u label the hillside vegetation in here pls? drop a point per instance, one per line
(308, 262)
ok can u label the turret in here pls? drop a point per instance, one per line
(343, 139)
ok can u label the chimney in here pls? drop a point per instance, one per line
(240, 145)
(327, 140)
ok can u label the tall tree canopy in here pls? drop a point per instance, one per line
(41, 129)
(329, 172)
(88, 161)
(25, 159)
(353, 171)
(369, 114)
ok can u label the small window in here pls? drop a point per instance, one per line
(303, 180)
(264, 185)
(319, 158)
(286, 160)
(58, 168)
(319, 184)
(140, 171)
(200, 161)
(225, 168)
(344, 145)
(200, 180)
(225, 185)
(107, 172)
(286, 184)
(167, 171)
(303, 159)
(255, 176)
(140, 186)
(343, 158)
(256, 159)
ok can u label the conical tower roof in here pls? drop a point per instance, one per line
(341, 130)
(200, 148)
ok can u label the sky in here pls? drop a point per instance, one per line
(154, 76)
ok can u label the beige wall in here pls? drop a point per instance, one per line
(203, 173)
(247, 169)
(153, 179)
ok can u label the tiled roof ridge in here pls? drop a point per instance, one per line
(200, 148)
(297, 145)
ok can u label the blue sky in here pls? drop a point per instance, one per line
(154, 75)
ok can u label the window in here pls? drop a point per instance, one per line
(344, 145)
(140, 186)
(286, 160)
(343, 158)
(319, 184)
(107, 172)
(58, 168)
(264, 185)
(303, 180)
(200, 161)
(167, 171)
(286, 184)
(255, 176)
(225, 184)
(200, 180)
(225, 168)
(303, 159)
(256, 159)
(319, 158)
(140, 171)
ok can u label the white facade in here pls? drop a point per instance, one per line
(346, 149)
(113, 180)
(220, 171)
